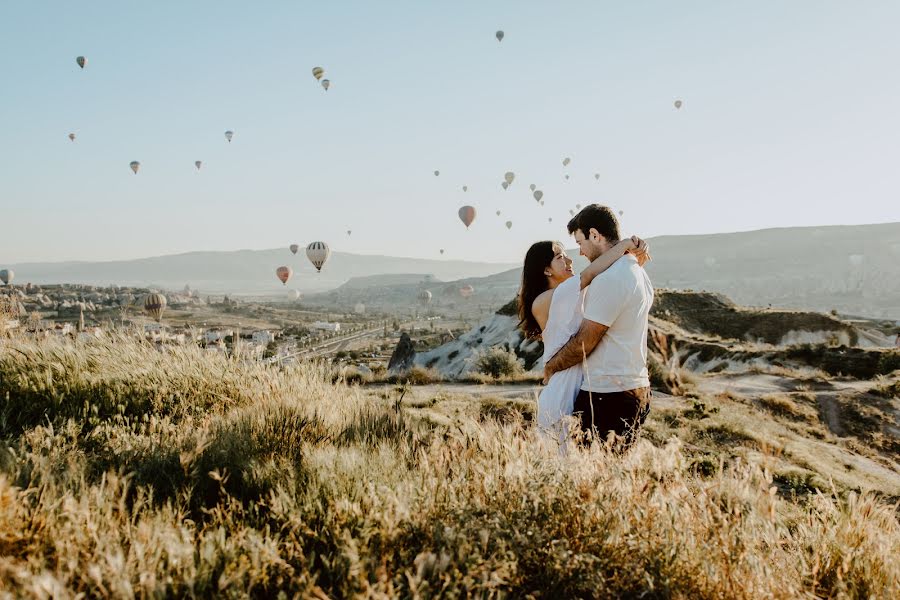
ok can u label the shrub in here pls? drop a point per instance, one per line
(889, 362)
(782, 406)
(506, 411)
(497, 362)
(416, 375)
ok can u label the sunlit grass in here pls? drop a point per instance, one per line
(131, 471)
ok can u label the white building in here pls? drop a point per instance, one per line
(263, 337)
(215, 335)
(325, 326)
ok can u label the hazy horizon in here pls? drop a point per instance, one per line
(570, 244)
(788, 120)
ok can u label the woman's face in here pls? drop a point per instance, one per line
(560, 267)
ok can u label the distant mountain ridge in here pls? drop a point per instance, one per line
(245, 271)
(854, 269)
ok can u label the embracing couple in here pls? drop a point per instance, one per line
(594, 329)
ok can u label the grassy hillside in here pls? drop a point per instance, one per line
(130, 471)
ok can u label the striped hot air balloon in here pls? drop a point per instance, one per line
(318, 253)
(284, 274)
(467, 215)
(425, 297)
(154, 305)
(318, 72)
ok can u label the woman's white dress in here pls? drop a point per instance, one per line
(557, 399)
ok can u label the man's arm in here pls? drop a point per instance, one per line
(577, 348)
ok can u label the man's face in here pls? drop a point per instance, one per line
(590, 246)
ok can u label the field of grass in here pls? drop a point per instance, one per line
(129, 471)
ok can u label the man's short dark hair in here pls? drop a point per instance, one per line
(596, 216)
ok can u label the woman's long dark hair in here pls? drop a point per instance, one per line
(534, 283)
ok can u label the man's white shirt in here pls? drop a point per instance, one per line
(619, 298)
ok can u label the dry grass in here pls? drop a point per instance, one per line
(204, 477)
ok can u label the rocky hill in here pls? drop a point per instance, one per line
(704, 332)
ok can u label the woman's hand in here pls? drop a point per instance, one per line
(640, 249)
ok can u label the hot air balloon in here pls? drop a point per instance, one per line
(154, 305)
(532, 187)
(504, 185)
(597, 176)
(326, 84)
(293, 295)
(436, 173)
(467, 215)
(318, 72)
(318, 253)
(284, 274)
(542, 202)
(82, 61)
(509, 224)
(571, 212)
(567, 176)
(678, 104)
(7, 275)
(442, 250)
(294, 248)
(425, 297)
(72, 136)
(566, 161)
(198, 164)
(135, 165)
(187, 291)
(500, 35)
(621, 212)
(577, 207)
(538, 194)
(228, 135)
(509, 176)
(466, 291)
(465, 188)
(498, 213)
(349, 232)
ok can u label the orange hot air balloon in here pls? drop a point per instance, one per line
(284, 274)
(467, 215)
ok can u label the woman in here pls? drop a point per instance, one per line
(551, 308)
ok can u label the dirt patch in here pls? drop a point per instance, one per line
(830, 413)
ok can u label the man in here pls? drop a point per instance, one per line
(612, 341)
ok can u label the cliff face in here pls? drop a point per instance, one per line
(716, 315)
(702, 332)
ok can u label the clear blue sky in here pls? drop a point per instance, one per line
(791, 117)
